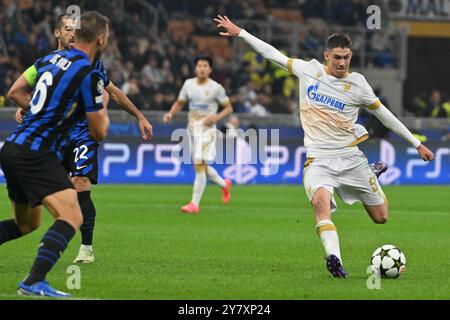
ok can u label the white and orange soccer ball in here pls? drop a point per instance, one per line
(388, 261)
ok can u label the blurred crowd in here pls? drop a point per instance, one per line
(435, 104)
(151, 63)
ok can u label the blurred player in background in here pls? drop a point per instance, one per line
(330, 98)
(34, 175)
(204, 96)
(80, 155)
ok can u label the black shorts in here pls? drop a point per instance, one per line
(80, 159)
(32, 175)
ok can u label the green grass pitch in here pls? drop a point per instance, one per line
(261, 246)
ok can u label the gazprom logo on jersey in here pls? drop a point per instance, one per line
(198, 106)
(322, 99)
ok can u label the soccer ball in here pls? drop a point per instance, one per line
(388, 261)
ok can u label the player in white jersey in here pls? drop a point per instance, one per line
(204, 96)
(330, 99)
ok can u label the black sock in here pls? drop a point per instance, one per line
(9, 230)
(88, 210)
(52, 245)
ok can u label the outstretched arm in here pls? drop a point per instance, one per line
(122, 100)
(265, 49)
(390, 121)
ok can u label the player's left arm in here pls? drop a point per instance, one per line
(106, 98)
(390, 121)
(125, 103)
(369, 100)
(92, 94)
(227, 108)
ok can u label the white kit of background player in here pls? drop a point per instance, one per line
(204, 96)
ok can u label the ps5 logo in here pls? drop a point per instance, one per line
(162, 155)
(277, 157)
(242, 171)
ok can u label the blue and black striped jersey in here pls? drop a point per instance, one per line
(80, 131)
(101, 68)
(67, 86)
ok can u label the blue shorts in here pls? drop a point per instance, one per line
(80, 159)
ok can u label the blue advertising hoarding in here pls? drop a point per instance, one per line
(125, 158)
(135, 162)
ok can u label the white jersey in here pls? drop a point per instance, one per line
(329, 108)
(203, 99)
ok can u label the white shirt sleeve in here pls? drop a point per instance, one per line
(297, 66)
(183, 93)
(368, 98)
(390, 121)
(221, 95)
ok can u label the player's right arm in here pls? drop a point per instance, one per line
(20, 91)
(98, 124)
(263, 48)
(96, 114)
(125, 103)
(177, 105)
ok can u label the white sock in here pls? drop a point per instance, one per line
(213, 176)
(329, 237)
(199, 187)
(86, 248)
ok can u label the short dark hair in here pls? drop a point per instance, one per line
(205, 58)
(60, 20)
(338, 40)
(92, 24)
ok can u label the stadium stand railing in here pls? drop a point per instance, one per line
(7, 113)
(307, 41)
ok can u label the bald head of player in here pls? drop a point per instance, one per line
(203, 67)
(64, 31)
(92, 34)
(338, 54)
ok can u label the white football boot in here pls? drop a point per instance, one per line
(85, 256)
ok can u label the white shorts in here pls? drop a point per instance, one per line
(203, 145)
(349, 175)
